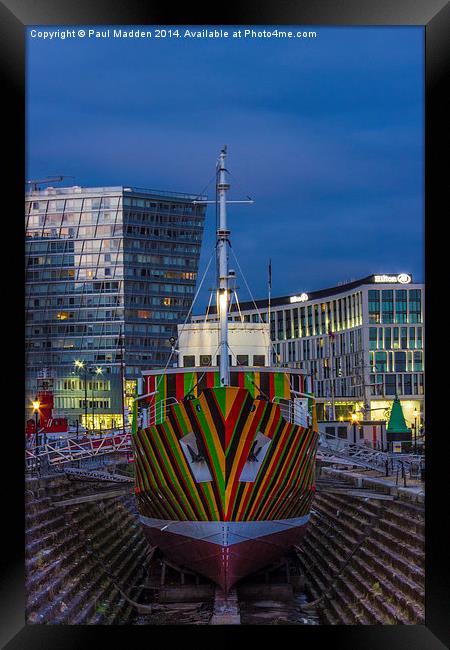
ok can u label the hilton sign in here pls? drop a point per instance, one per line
(403, 278)
(301, 298)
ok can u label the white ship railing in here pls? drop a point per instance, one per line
(159, 410)
(293, 411)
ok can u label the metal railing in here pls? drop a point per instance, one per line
(365, 456)
(73, 449)
(292, 411)
(159, 410)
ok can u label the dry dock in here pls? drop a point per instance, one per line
(87, 561)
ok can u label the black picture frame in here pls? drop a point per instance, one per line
(15, 16)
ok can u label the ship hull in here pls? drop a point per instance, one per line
(225, 552)
(224, 483)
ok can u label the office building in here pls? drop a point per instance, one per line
(110, 271)
(362, 342)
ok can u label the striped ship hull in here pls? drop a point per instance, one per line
(224, 483)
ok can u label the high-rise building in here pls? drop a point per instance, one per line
(362, 343)
(110, 271)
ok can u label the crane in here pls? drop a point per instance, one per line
(50, 179)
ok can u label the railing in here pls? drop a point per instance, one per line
(365, 456)
(159, 410)
(73, 449)
(293, 411)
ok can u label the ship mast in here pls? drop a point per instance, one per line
(222, 270)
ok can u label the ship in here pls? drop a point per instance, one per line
(226, 443)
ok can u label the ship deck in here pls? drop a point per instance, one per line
(263, 369)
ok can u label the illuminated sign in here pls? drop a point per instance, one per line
(403, 278)
(301, 298)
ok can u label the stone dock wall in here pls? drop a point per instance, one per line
(363, 558)
(78, 554)
(73, 553)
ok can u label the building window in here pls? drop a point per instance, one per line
(387, 338)
(390, 385)
(258, 359)
(395, 338)
(400, 361)
(401, 306)
(374, 306)
(280, 330)
(380, 361)
(387, 306)
(372, 338)
(288, 324)
(329, 432)
(420, 384)
(419, 337)
(189, 361)
(418, 364)
(205, 359)
(415, 306)
(404, 338)
(242, 359)
(407, 384)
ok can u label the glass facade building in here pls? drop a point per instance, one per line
(110, 271)
(362, 342)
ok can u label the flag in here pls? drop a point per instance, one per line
(270, 275)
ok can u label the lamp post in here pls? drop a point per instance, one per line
(97, 371)
(81, 365)
(415, 413)
(354, 420)
(36, 405)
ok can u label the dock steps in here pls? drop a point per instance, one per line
(93, 475)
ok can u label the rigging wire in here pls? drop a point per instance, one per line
(153, 397)
(251, 295)
(209, 304)
(236, 182)
(238, 306)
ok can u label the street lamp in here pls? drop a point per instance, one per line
(36, 405)
(354, 421)
(415, 413)
(82, 365)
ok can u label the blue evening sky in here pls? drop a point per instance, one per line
(325, 134)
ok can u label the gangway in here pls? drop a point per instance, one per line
(74, 449)
(335, 450)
